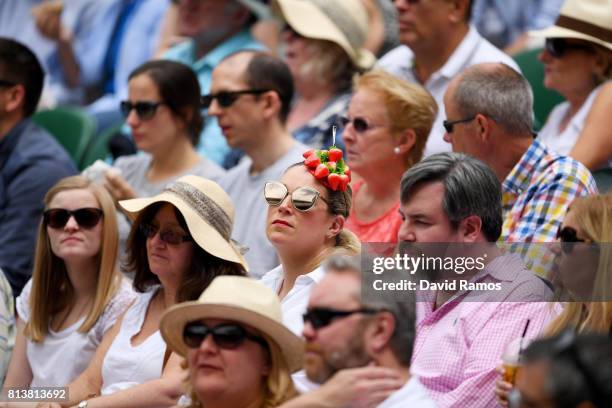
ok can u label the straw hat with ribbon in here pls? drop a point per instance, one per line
(343, 22)
(589, 20)
(208, 212)
(238, 299)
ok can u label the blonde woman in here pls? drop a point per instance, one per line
(75, 294)
(249, 356)
(588, 278)
(386, 129)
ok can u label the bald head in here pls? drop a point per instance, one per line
(498, 92)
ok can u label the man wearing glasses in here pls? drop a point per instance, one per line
(250, 96)
(358, 346)
(31, 161)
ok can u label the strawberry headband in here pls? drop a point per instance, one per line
(328, 167)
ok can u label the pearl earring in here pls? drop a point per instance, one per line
(396, 150)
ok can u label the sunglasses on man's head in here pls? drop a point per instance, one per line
(320, 317)
(303, 198)
(144, 109)
(167, 235)
(558, 47)
(226, 336)
(85, 217)
(227, 98)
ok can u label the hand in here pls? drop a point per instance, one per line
(118, 187)
(47, 18)
(363, 387)
(502, 388)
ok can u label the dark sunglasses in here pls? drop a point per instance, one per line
(359, 124)
(303, 198)
(320, 317)
(226, 336)
(227, 98)
(4, 82)
(568, 237)
(169, 236)
(145, 109)
(85, 217)
(449, 125)
(558, 47)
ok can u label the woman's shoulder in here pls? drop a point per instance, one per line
(23, 302)
(208, 169)
(124, 297)
(133, 164)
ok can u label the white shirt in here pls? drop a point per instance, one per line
(474, 49)
(68, 348)
(412, 394)
(125, 365)
(562, 142)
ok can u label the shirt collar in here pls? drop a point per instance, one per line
(462, 55)
(519, 178)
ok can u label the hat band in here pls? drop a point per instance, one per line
(342, 19)
(585, 27)
(206, 208)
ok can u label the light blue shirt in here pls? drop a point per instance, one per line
(503, 21)
(212, 142)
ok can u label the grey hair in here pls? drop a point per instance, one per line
(403, 308)
(470, 188)
(498, 92)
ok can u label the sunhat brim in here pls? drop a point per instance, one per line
(205, 235)
(562, 32)
(175, 319)
(310, 22)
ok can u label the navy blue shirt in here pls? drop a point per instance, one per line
(31, 161)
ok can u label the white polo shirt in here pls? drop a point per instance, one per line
(474, 49)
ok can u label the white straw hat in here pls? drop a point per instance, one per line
(343, 22)
(239, 299)
(208, 212)
(589, 20)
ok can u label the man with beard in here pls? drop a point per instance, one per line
(359, 347)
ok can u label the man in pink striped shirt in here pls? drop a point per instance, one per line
(462, 333)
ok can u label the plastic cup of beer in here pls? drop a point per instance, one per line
(511, 359)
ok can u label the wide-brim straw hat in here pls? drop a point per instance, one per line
(589, 20)
(239, 299)
(343, 22)
(208, 212)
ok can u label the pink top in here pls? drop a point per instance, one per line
(383, 229)
(459, 344)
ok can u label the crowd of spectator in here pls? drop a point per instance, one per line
(260, 156)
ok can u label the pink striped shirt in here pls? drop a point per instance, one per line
(459, 344)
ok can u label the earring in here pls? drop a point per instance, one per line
(396, 150)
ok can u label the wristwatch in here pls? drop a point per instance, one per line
(82, 404)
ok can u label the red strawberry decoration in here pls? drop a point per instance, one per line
(312, 161)
(334, 154)
(331, 165)
(344, 181)
(334, 181)
(321, 171)
(308, 153)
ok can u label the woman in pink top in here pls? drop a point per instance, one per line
(385, 133)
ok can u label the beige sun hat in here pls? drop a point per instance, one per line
(343, 22)
(589, 20)
(208, 212)
(240, 299)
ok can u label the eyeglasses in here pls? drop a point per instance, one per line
(568, 236)
(558, 47)
(227, 98)
(86, 217)
(169, 236)
(303, 198)
(449, 125)
(320, 317)
(226, 336)
(144, 109)
(359, 124)
(4, 82)
(564, 347)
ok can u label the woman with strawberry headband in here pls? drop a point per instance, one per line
(385, 133)
(307, 211)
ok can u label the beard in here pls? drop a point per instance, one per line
(329, 362)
